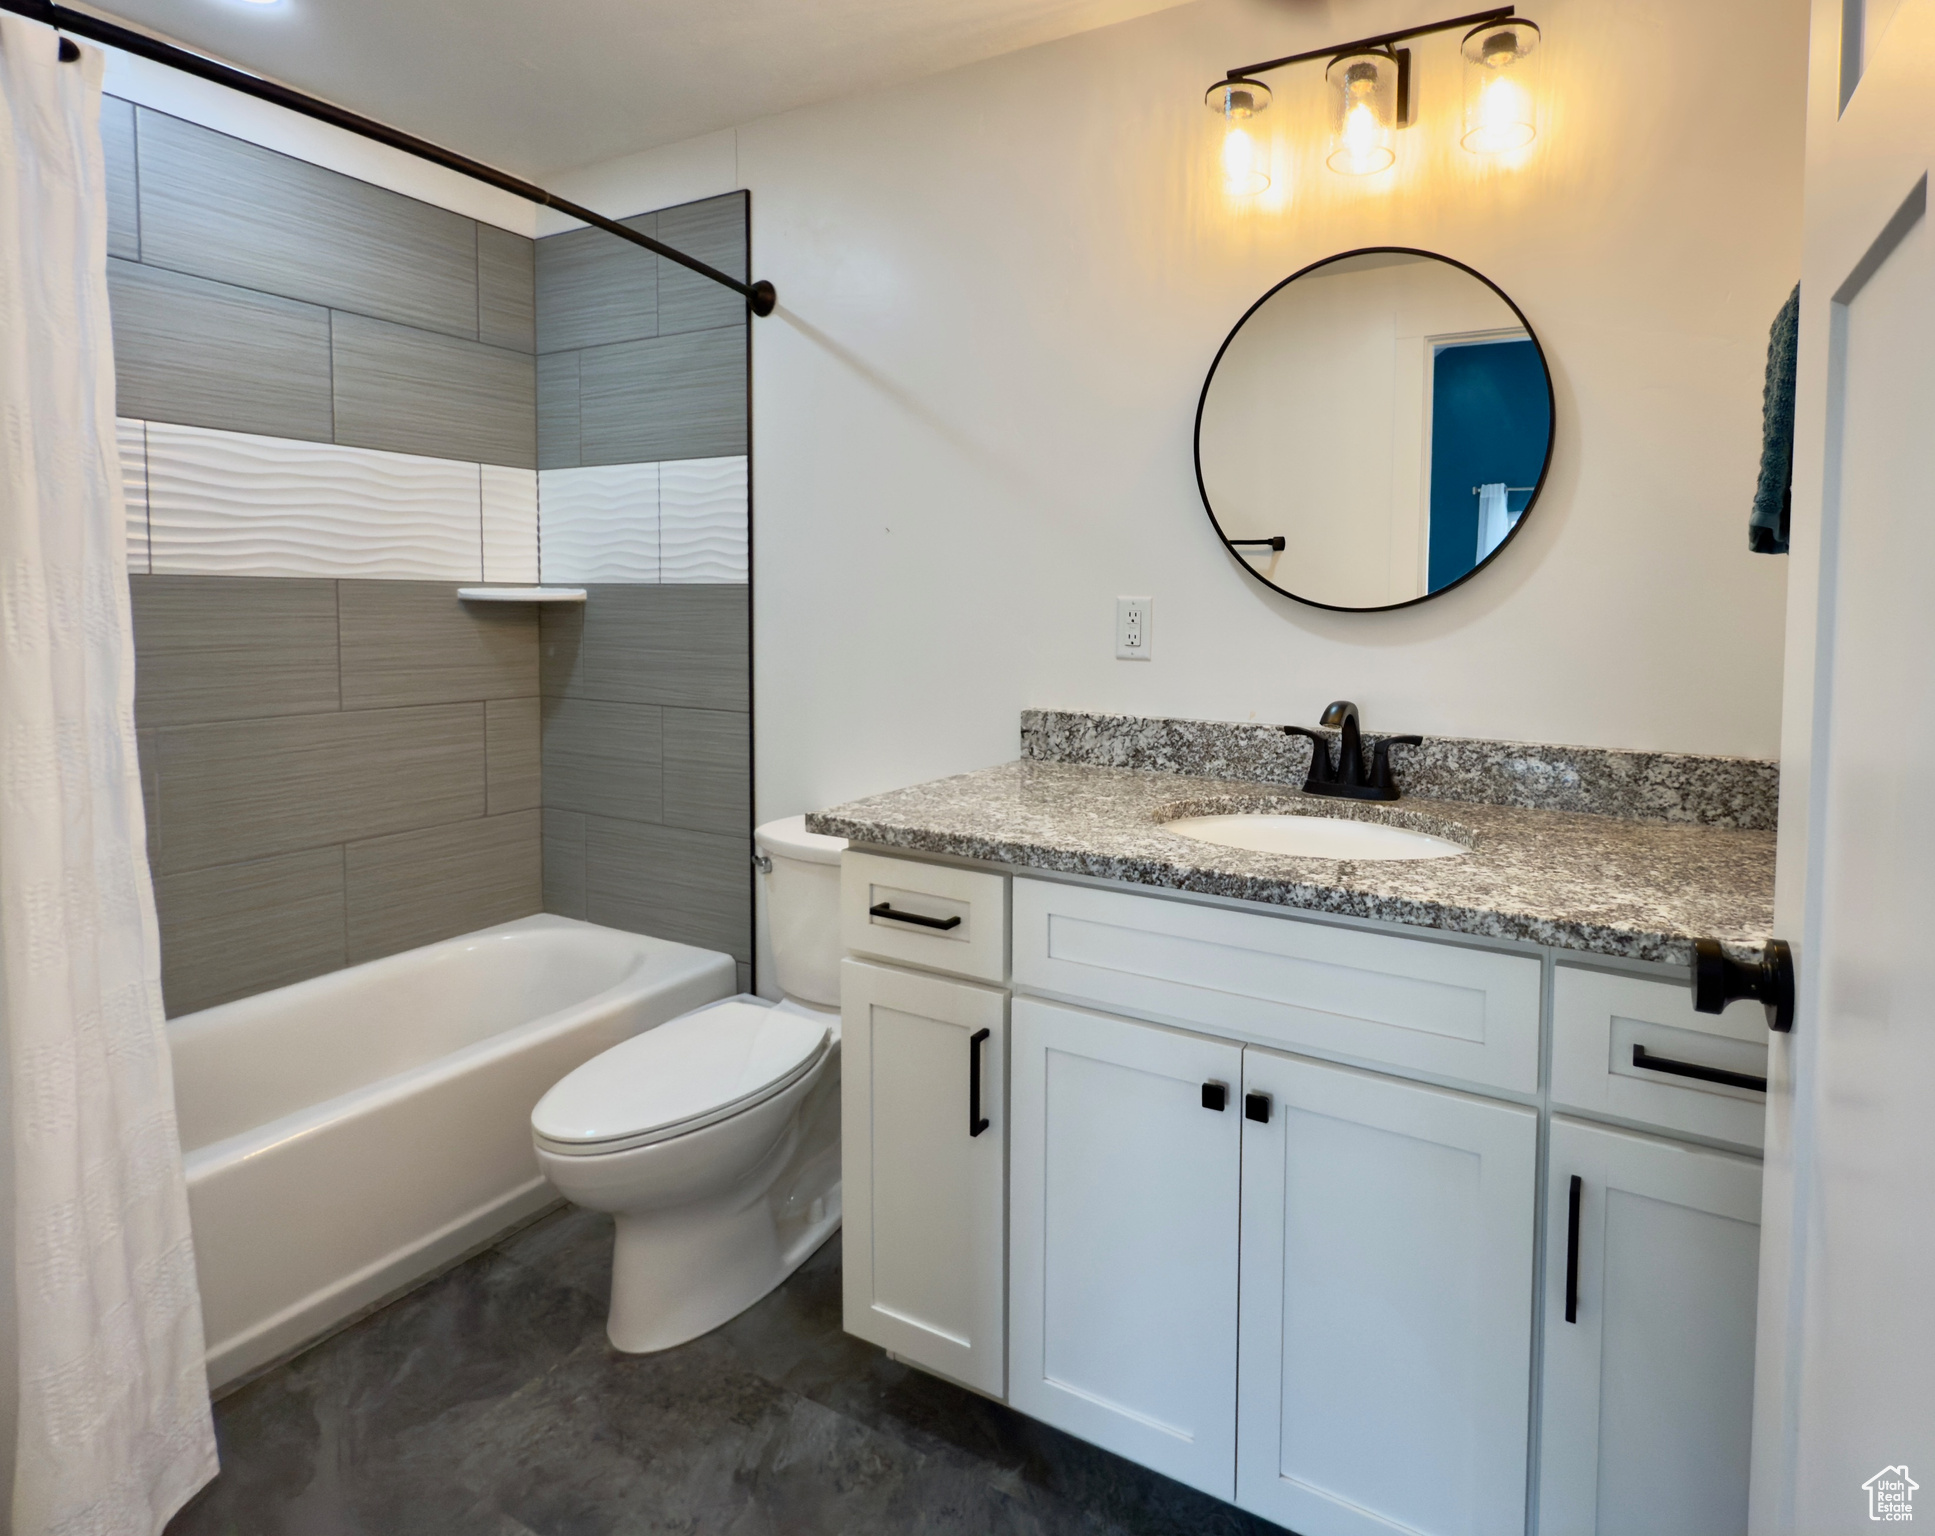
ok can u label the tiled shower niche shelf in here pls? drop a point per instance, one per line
(522, 594)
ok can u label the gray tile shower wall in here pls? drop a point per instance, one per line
(647, 763)
(254, 292)
(639, 359)
(335, 771)
(209, 355)
(647, 724)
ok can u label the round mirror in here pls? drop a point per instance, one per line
(1374, 430)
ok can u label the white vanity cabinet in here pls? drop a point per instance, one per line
(1255, 1201)
(1379, 1233)
(1386, 1326)
(1650, 1280)
(924, 1175)
(1126, 1154)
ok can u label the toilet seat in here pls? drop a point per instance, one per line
(695, 1070)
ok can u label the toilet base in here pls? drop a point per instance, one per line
(678, 1274)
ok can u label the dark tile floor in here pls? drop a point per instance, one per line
(489, 1402)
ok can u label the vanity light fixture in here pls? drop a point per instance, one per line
(1370, 96)
(1236, 101)
(1501, 76)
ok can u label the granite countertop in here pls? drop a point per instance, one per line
(1606, 885)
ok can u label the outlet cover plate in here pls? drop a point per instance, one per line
(1134, 620)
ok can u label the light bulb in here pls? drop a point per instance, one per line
(1504, 117)
(1243, 172)
(1360, 134)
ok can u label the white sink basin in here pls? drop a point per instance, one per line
(1314, 837)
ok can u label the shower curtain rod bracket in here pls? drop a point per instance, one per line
(761, 297)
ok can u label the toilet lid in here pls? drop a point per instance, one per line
(698, 1068)
(788, 838)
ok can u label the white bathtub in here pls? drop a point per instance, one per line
(348, 1135)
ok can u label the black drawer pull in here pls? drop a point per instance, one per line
(1216, 1096)
(977, 1122)
(942, 923)
(1644, 1058)
(1256, 1106)
(1572, 1249)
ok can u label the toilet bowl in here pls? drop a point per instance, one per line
(714, 1139)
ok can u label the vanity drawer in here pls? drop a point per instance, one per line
(929, 915)
(1599, 1018)
(1470, 1014)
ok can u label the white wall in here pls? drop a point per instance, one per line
(1000, 289)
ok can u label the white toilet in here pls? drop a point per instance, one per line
(714, 1139)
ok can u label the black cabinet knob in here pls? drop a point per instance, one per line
(1256, 1106)
(1216, 1096)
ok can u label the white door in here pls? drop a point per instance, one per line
(922, 1167)
(1126, 1166)
(1843, 1386)
(1650, 1276)
(1386, 1304)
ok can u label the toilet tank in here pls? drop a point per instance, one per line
(803, 909)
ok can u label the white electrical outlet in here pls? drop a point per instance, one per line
(1132, 625)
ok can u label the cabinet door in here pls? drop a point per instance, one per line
(923, 1180)
(1648, 1404)
(1124, 1238)
(1387, 1304)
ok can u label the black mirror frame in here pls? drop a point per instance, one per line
(1552, 437)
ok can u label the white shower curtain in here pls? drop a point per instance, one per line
(113, 1428)
(1494, 519)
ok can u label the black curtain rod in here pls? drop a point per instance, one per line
(1382, 40)
(760, 296)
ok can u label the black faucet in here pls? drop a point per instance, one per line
(1347, 779)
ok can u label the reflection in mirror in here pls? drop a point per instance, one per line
(1374, 430)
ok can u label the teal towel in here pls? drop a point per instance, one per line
(1774, 496)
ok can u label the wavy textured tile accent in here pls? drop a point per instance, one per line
(599, 523)
(234, 504)
(510, 500)
(702, 520)
(131, 437)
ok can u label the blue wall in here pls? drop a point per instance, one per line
(1491, 420)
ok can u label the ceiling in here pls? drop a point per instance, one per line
(536, 88)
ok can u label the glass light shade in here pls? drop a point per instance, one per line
(1363, 112)
(1245, 161)
(1501, 86)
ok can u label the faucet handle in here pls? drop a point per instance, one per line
(1381, 761)
(1320, 771)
